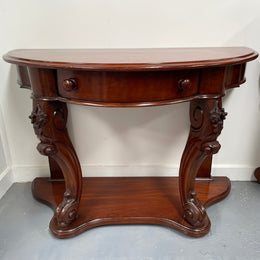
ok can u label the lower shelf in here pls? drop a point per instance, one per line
(130, 200)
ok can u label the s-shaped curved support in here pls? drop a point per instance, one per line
(206, 117)
(49, 120)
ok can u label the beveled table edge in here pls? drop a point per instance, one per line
(9, 57)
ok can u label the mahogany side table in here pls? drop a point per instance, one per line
(130, 78)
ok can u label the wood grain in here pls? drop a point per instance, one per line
(131, 59)
(130, 200)
(130, 78)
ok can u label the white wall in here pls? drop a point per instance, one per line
(129, 139)
(6, 177)
(3, 163)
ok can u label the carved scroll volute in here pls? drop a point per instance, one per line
(49, 122)
(206, 116)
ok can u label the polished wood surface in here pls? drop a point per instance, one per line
(257, 174)
(49, 122)
(131, 200)
(206, 117)
(131, 88)
(128, 87)
(130, 78)
(131, 59)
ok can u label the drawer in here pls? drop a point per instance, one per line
(127, 87)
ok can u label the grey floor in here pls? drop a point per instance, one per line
(235, 232)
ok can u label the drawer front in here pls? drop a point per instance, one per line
(127, 87)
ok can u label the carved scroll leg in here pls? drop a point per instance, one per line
(49, 121)
(206, 116)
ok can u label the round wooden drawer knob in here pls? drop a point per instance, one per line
(184, 84)
(69, 84)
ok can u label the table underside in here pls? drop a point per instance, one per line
(130, 200)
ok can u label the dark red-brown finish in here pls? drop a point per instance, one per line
(127, 87)
(206, 116)
(257, 174)
(130, 78)
(55, 170)
(49, 122)
(128, 200)
(131, 59)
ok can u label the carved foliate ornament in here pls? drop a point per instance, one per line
(38, 119)
(206, 116)
(217, 115)
(49, 122)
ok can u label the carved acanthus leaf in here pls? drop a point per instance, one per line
(38, 119)
(216, 117)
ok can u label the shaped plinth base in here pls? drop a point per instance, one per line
(130, 200)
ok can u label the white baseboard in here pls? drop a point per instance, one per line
(6, 181)
(28, 173)
(234, 173)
